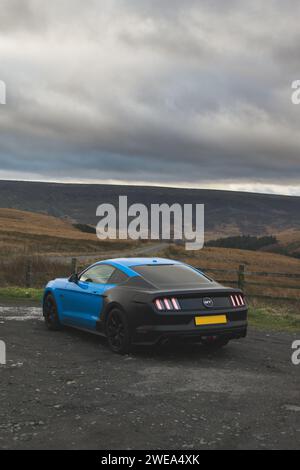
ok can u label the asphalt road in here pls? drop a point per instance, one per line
(67, 390)
(144, 250)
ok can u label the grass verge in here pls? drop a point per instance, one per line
(21, 293)
(266, 319)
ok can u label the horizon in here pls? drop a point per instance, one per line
(153, 185)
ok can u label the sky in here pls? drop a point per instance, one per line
(176, 93)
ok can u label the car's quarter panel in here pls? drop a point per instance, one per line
(82, 303)
(54, 288)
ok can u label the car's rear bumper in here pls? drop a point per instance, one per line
(151, 334)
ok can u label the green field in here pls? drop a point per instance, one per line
(22, 293)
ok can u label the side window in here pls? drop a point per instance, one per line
(98, 274)
(117, 277)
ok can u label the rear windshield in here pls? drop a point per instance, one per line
(172, 275)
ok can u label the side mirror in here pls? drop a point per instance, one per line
(74, 278)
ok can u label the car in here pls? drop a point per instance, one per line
(143, 301)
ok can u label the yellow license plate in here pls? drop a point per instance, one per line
(210, 320)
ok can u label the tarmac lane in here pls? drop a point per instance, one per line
(67, 390)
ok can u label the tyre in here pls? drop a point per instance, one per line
(50, 313)
(117, 332)
(213, 343)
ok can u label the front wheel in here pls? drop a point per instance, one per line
(51, 314)
(117, 332)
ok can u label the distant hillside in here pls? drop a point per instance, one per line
(244, 242)
(24, 232)
(227, 213)
(284, 244)
(25, 222)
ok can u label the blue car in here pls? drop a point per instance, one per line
(146, 301)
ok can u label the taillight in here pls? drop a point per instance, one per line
(159, 304)
(167, 303)
(175, 303)
(237, 300)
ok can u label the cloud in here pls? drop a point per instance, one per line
(191, 92)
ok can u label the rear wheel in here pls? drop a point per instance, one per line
(51, 314)
(117, 332)
(213, 343)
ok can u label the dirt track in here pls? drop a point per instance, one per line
(67, 390)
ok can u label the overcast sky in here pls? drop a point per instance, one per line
(171, 92)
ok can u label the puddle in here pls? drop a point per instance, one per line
(292, 407)
(20, 313)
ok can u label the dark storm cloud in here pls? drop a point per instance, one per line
(165, 92)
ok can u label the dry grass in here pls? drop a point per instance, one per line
(13, 271)
(227, 258)
(23, 233)
(289, 235)
(25, 222)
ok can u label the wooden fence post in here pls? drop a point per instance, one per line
(28, 273)
(241, 276)
(74, 265)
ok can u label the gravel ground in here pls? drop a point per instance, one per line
(67, 390)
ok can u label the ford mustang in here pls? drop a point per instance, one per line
(146, 301)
